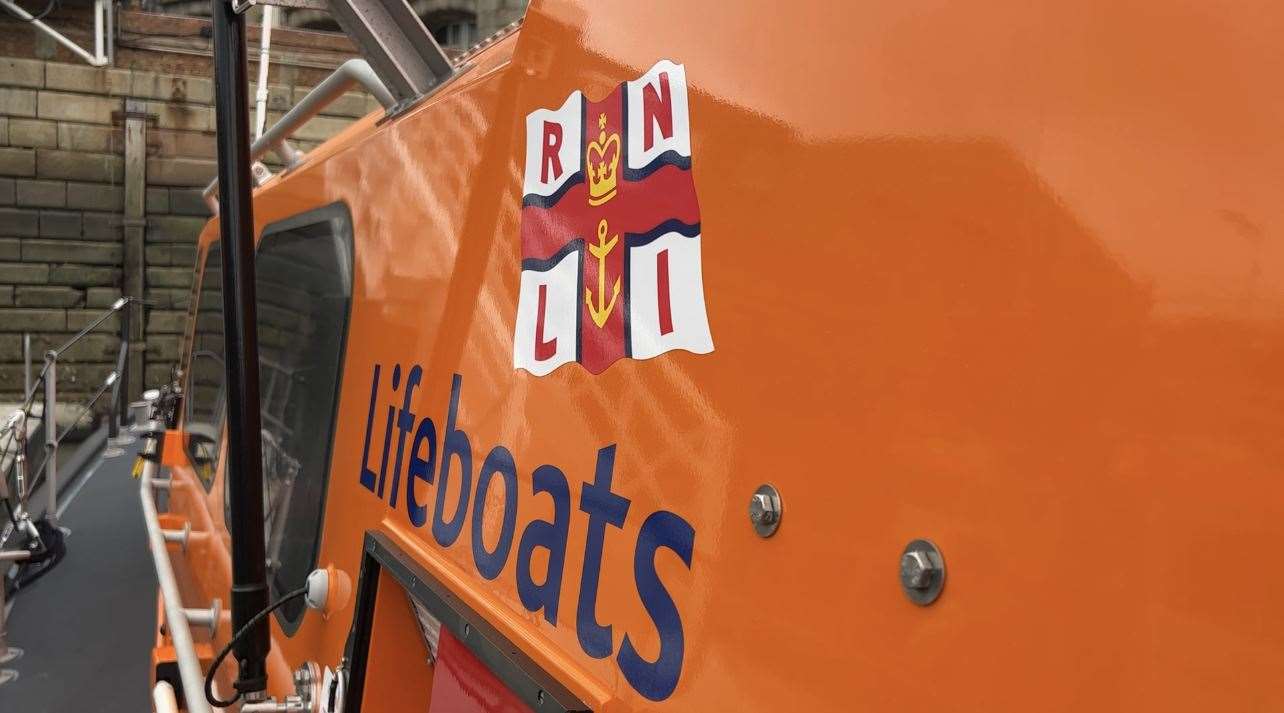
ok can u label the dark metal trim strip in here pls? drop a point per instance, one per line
(526, 679)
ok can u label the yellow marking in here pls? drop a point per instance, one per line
(601, 172)
(602, 311)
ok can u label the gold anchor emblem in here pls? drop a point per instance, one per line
(602, 311)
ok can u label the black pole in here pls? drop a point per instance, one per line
(245, 455)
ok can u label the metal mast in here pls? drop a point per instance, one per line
(245, 453)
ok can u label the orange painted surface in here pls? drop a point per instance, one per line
(172, 452)
(1006, 277)
(402, 679)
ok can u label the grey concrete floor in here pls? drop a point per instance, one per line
(87, 626)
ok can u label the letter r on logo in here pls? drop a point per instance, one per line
(552, 145)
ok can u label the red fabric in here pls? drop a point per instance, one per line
(461, 683)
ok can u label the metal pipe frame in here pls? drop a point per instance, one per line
(292, 704)
(189, 663)
(391, 36)
(51, 434)
(26, 362)
(16, 429)
(49, 378)
(97, 59)
(121, 393)
(348, 74)
(117, 382)
(207, 618)
(265, 57)
(163, 699)
(115, 307)
(180, 537)
(100, 14)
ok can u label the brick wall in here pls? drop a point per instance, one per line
(62, 173)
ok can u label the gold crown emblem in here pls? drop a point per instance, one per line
(601, 159)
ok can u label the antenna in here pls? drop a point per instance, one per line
(245, 452)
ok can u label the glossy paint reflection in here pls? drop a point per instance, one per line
(1004, 277)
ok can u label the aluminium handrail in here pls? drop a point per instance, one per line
(189, 663)
(351, 72)
(102, 32)
(116, 381)
(115, 307)
(163, 699)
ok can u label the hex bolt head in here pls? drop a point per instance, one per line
(765, 510)
(760, 510)
(922, 572)
(916, 570)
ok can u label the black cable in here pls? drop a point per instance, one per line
(218, 660)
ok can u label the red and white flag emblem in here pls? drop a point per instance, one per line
(611, 229)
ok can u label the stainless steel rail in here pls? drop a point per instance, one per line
(47, 382)
(350, 73)
(103, 34)
(163, 700)
(189, 664)
(402, 51)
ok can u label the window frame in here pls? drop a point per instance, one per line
(193, 316)
(339, 217)
(530, 682)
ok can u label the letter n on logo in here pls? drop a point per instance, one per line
(657, 110)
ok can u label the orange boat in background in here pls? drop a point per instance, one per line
(658, 359)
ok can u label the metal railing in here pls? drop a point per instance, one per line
(18, 484)
(163, 699)
(178, 619)
(104, 32)
(14, 435)
(276, 139)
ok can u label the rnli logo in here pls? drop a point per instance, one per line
(611, 230)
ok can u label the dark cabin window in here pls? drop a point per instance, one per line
(453, 29)
(304, 293)
(206, 400)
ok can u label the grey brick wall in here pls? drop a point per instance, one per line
(62, 172)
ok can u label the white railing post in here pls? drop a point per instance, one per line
(99, 16)
(26, 364)
(163, 699)
(51, 435)
(261, 92)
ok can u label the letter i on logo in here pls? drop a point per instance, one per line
(662, 292)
